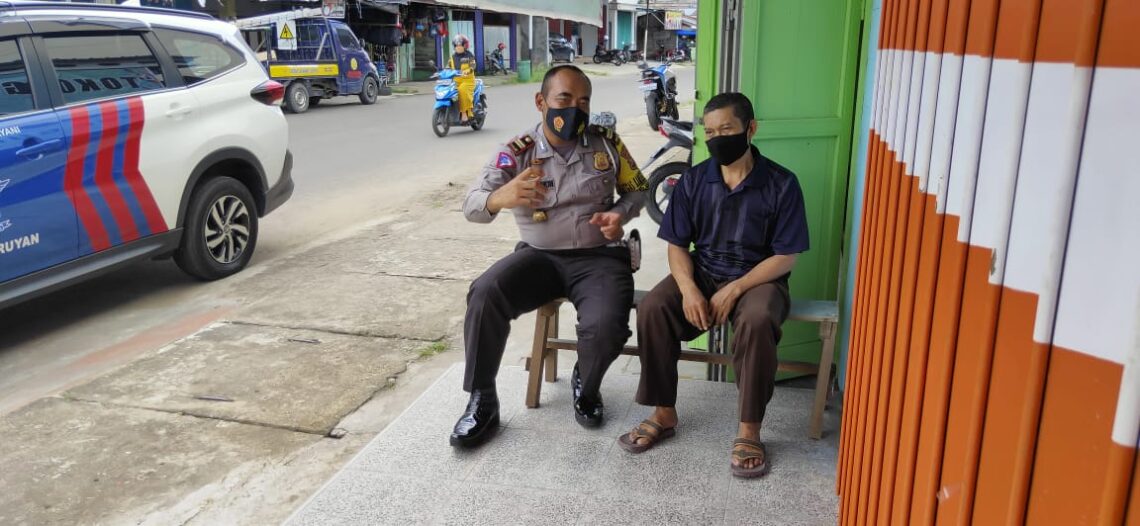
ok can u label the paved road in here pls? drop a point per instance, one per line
(354, 165)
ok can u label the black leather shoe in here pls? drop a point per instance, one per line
(478, 422)
(588, 410)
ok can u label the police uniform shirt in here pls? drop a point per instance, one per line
(577, 187)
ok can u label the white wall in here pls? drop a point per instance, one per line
(492, 35)
(589, 36)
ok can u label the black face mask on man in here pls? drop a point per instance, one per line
(727, 149)
(567, 123)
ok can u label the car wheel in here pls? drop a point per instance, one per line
(661, 184)
(440, 123)
(297, 97)
(370, 91)
(220, 230)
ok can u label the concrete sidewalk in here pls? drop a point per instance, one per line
(543, 468)
(308, 358)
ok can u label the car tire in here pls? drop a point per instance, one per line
(659, 183)
(220, 230)
(297, 97)
(370, 91)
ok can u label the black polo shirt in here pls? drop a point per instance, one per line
(733, 231)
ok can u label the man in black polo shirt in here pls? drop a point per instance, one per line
(744, 216)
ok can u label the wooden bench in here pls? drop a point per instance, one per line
(544, 353)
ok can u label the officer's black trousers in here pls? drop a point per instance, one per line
(598, 281)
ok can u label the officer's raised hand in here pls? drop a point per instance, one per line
(610, 223)
(524, 190)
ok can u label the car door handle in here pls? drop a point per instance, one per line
(178, 113)
(38, 150)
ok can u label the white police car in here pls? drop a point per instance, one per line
(131, 133)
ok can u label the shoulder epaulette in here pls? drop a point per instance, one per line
(519, 145)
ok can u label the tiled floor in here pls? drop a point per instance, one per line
(543, 468)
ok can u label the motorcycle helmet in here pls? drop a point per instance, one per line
(502, 46)
(459, 40)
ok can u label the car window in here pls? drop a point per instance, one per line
(105, 65)
(198, 57)
(15, 90)
(347, 39)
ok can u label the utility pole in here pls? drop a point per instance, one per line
(645, 51)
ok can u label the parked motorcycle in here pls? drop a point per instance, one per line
(626, 56)
(495, 63)
(659, 86)
(665, 177)
(446, 111)
(602, 55)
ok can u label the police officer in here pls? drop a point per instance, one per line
(559, 181)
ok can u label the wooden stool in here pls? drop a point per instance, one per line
(544, 353)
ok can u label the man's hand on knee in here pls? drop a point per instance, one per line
(696, 308)
(724, 301)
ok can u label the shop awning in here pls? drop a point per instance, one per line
(583, 12)
(391, 6)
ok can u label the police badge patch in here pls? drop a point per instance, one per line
(505, 161)
(601, 161)
(559, 122)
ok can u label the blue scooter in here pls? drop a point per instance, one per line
(446, 111)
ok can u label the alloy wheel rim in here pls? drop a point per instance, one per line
(227, 231)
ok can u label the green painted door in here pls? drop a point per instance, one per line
(624, 29)
(798, 64)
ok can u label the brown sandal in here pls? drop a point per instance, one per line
(744, 449)
(647, 429)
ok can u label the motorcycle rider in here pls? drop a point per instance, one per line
(464, 61)
(497, 56)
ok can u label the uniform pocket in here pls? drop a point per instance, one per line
(598, 188)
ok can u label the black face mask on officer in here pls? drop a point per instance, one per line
(567, 123)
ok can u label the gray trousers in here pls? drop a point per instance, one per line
(598, 281)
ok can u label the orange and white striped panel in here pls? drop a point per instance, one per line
(995, 348)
